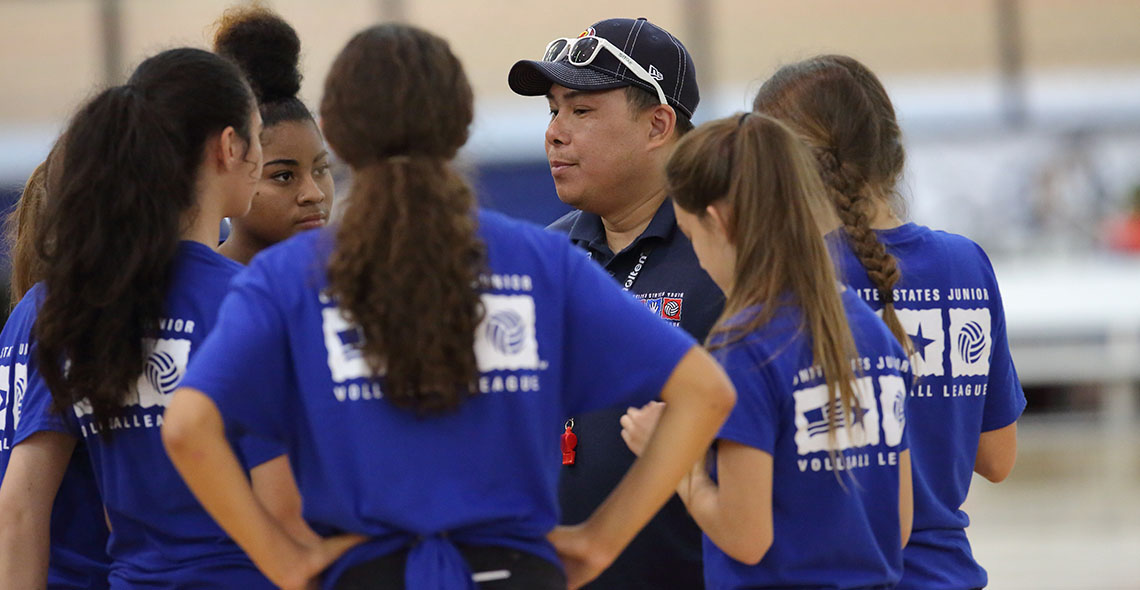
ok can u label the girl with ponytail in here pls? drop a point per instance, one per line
(417, 359)
(808, 484)
(130, 286)
(295, 192)
(937, 293)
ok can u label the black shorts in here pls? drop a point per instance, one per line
(494, 568)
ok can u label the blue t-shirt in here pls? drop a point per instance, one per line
(78, 532)
(161, 536)
(947, 300)
(558, 338)
(660, 269)
(826, 535)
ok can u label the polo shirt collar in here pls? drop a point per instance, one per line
(588, 229)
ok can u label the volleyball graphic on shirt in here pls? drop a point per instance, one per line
(162, 371)
(970, 341)
(343, 341)
(814, 410)
(506, 338)
(19, 386)
(892, 398)
(924, 326)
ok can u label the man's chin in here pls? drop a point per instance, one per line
(570, 197)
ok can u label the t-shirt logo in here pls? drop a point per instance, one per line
(970, 341)
(654, 304)
(924, 326)
(506, 338)
(892, 397)
(162, 371)
(19, 385)
(343, 341)
(5, 374)
(671, 309)
(813, 413)
(506, 332)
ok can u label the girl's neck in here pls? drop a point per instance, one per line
(240, 247)
(202, 223)
(882, 215)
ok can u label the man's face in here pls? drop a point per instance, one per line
(595, 146)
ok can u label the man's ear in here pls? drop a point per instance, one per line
(662, 123)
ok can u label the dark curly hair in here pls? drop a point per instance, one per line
(839, 108)
(111, 228)
(267, 50)
(396, 108)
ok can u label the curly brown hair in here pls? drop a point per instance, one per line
(855, 139)
(407, 260)
(110, 230)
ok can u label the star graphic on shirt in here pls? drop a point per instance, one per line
(920, 342)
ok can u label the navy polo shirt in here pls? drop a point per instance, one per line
(667, 553)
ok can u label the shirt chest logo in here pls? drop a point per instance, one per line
(506, 339)
(667, 305)
(163, 370)
(17, 375)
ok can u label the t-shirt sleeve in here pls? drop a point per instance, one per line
(1005, 399)
(616, 352)
(254, 450)
(755, 420)
(32, 412)
(243, 366)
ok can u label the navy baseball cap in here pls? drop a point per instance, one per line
(653, 48)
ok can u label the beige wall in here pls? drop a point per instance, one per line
(50, 52)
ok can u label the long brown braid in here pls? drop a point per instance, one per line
(828, 107)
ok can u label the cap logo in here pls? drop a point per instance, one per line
(653, 71)
(589, 32)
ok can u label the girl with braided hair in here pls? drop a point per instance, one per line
(935, 290)
(808, 484)
(417, 360)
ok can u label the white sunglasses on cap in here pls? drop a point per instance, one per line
(582, 51)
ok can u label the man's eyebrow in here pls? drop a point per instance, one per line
(569, 94)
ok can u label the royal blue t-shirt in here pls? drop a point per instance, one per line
(826, 535)
(161, 536)
(78, 532)
(947, 299)
(558, 338)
